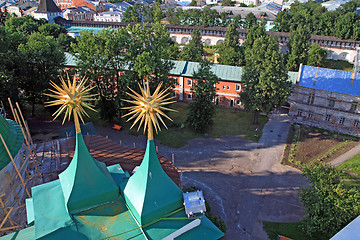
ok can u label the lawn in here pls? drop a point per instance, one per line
(351, 171)
(338, 64)
(302, 139)
(291, 230)
(227, 121)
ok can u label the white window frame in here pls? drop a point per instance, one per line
(189, 82)
(238, 87)
(189, 96)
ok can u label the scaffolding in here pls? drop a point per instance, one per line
(20, 179)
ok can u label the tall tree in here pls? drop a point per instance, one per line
(250, 20)
(329, 205)
(157, 12)
(133, 14)
(316, 56)
(264, 77)
(231, 53)
(202, 110)
(299, 43)
(194, 49)
(41, 58)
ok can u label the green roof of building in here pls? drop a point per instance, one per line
(150, 193)
(13, 137)
(187, 69)
(49, 211)
(86, 182)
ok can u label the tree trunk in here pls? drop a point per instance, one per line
(256, 116)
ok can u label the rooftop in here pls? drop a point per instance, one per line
(330, 80)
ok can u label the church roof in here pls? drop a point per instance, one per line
(46, 6)
(13, 137)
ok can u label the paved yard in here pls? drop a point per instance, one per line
(243, 181)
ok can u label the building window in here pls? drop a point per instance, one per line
(311, 115)
(353, 107)
(311, 99)
(299, 113)
(342, 120)
(356, 123)
(328, 117)
(331, 103)
(238, 102)
(238, 87)
(189, 96)
(189, 82)
(228, 87)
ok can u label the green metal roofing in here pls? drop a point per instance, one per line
(150, 193)
(86, 182)
(13, 137)
(115, 219)
(187, 69)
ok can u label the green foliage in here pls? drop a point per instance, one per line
(231, 53)
(202, 110)
(193, 3)
(298, 47)
(194, 50)
(291, 230)
(250, 20)
(316, 56)
(265, 78)
(142, 50)
(228, 3)
(343, 23)
(329, 205)
(133, 13)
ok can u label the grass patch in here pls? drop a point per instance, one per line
(338, 64)
(227, 121)
(291, 230)
(351, 171)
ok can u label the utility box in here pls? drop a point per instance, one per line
(194, 204)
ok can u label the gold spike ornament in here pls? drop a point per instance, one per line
(148, 108)
(71, 98)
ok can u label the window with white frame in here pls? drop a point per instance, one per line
(311, 99)
(228, 87)
(238, 102)
(189, 96)
(299, 113)
(224, 87)
(311, 116)
(238, 87)
(331, 102)
(189, 82)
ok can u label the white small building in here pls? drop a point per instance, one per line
(113, 15)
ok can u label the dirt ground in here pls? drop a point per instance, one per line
(314, 143)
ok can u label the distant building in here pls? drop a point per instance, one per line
(113, 15)
(47, 10)
(21, 8)
(97, 6)
(327, 98)
(260, 13)
(333, 5)
(79, 13)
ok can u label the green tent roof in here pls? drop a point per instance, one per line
(86, 182)
(150, 193)
(13, 137)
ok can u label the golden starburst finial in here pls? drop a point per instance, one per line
(148, 108)
(72, 99)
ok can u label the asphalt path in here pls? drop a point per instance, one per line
(243, 181)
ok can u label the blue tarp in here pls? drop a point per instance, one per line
(330, 80)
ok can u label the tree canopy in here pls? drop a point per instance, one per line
(264, 76)
(299, 43)
(344, 22)
(231, 53)
(194, 50)
(202, 109)
(329, 205)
